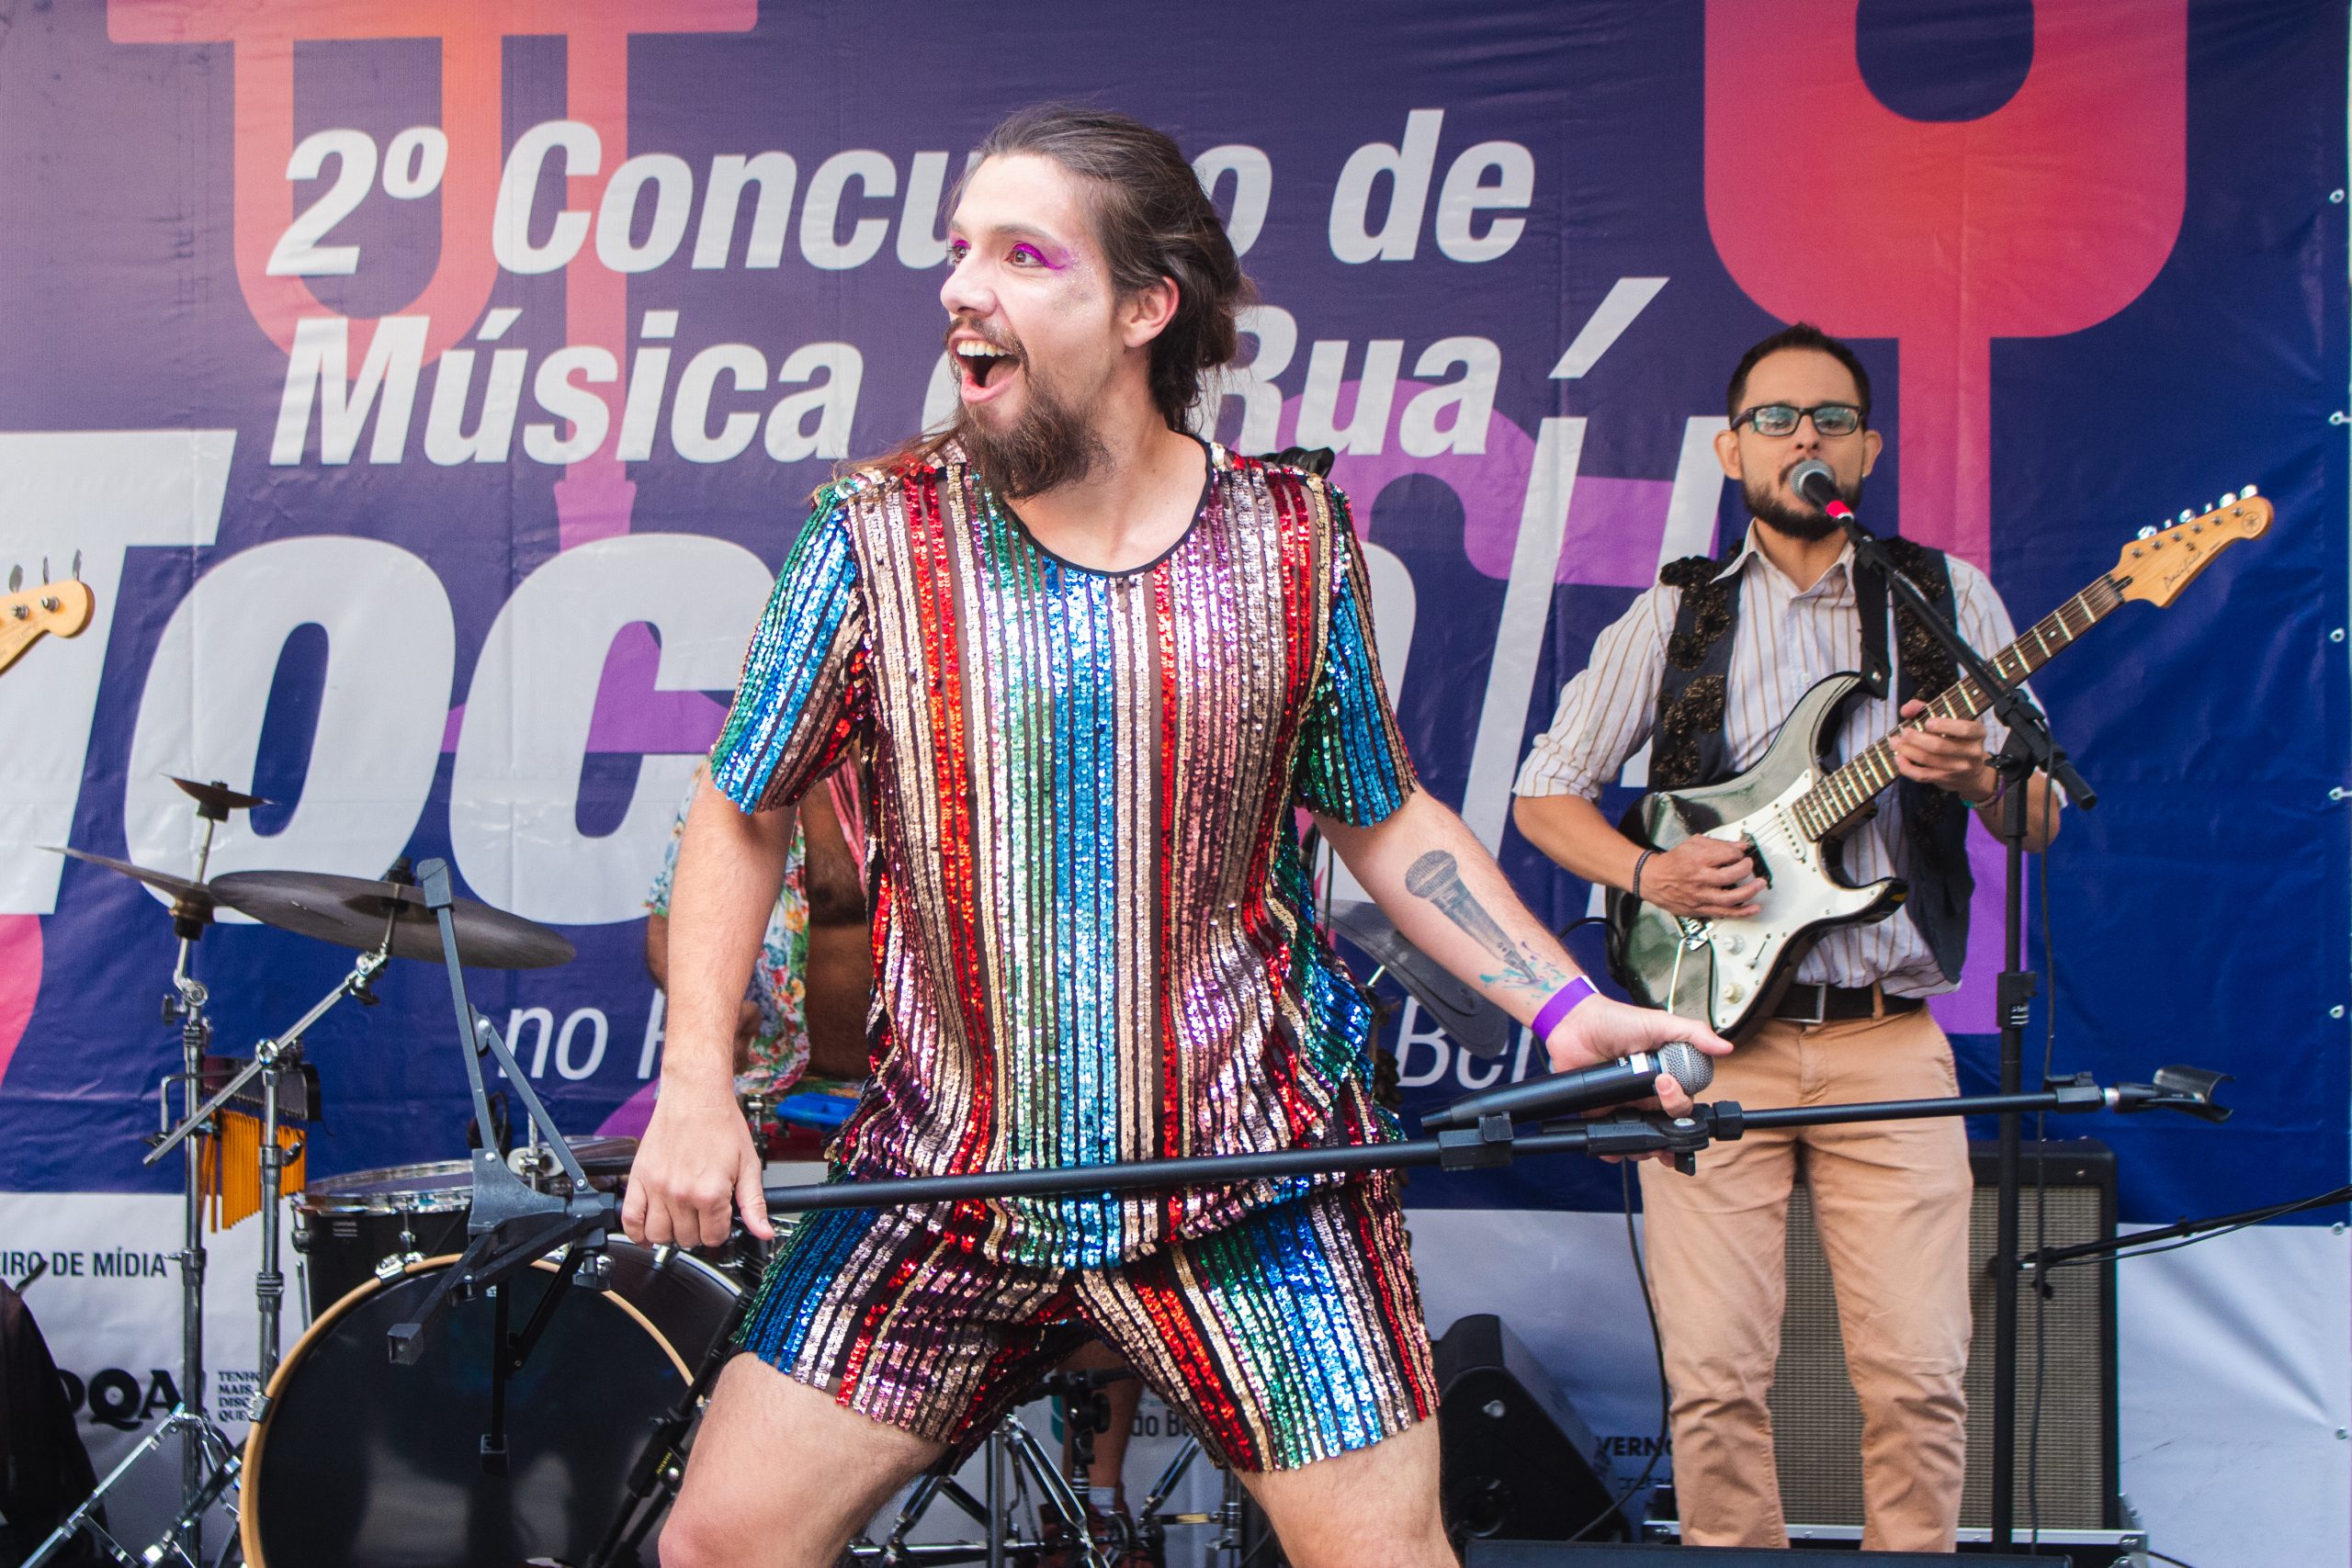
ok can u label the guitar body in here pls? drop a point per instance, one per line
(1731, 971)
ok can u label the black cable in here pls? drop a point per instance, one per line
(2163, 1557)
(1658, 1349)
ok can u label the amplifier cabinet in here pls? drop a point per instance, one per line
(1817, 1425)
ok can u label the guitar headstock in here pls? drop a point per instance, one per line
(2161, 562)
(54, 609)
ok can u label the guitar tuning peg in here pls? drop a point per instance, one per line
(44, 568)
(16, 578)
(2246, 494)
(2229, 499)
(2147, 532)
(2186, 515)
(77, 566)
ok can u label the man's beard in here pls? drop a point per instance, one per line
(1803, 522)
(1050, 444)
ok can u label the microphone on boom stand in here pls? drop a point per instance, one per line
(1586, 1088)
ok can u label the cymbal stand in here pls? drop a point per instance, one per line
(182, 1543)
(272, 1060)
(186, 1005)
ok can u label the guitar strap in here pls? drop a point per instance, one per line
(1942, 881)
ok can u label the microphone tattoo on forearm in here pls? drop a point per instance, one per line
(1437, 877)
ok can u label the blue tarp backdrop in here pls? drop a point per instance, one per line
(473, 468)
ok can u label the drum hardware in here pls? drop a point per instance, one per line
(273, 1060)
(182, 1542)
(208, 1462)
(511, 1227)
(366, 1224)
(653, 1479)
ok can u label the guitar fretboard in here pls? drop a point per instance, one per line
(1840, 797)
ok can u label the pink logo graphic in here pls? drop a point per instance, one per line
(595, 498)
(19, 980)
(2043, 218)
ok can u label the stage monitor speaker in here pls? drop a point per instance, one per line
(1516, 1459)
(1817, 1425)
(1586, 1555)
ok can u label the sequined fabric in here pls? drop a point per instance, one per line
(1293, 1335)
(1092, 931)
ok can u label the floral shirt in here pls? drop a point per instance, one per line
(779, 1054)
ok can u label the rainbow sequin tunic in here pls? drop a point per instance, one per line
(1093, 933)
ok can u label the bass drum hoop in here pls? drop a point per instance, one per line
(249, 1518)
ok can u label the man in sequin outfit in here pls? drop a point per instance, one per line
(1096, 666)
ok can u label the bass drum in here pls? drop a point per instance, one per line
(363, 1463)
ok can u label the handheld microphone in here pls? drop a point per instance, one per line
(1813, 480)
(1561, 1094)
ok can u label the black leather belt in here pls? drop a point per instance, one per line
(1807, 1003)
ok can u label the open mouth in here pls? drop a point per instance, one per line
(982, 360)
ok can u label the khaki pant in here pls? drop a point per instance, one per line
(1891, 1204)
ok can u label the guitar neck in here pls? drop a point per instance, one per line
(1840, 797)
(15, 640)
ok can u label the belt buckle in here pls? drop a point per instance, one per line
(1820, 1005)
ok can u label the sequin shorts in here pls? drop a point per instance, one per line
(1291, 1336)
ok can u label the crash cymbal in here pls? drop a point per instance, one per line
(351, 911)
(216, 799)
(195, 896)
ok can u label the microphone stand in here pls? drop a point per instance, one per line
(1488, 1139)
(2030, 748)
(1494, 1141)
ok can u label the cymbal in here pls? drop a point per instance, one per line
(216, 799)
(351, 911)
(195, 896)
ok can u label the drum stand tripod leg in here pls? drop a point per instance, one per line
(179, 1541)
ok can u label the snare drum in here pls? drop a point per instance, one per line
(360, 1464)
(346, 1226)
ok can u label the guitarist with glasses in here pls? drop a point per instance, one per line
(1706, 668)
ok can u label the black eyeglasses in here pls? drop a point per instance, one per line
(1781, 419)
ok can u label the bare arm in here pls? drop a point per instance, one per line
(697, 1152)
(657, 950)
(1699, 877)
(1431, 876)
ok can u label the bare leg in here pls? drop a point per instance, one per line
(1376, 1507)
(1109, 1468)
(781, 1476)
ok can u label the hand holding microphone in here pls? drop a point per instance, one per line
(1584, 1088)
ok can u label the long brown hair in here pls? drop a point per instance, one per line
(1152, 220)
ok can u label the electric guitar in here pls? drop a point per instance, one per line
(1792, 807)
(54, 609)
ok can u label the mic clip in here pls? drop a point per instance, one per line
(1484, 1145)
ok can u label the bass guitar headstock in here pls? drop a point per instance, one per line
(54, 609)
(2161, 562)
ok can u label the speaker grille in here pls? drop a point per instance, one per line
(1817, 1425)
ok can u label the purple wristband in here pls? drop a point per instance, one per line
(1563, 1002)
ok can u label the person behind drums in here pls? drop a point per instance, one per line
(801, 1024)
(1095, 664)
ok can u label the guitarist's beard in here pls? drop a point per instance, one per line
(1803, 522)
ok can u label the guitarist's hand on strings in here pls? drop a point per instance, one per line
(1703, 878)
(1946, 752)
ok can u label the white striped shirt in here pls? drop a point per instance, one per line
(1785, 641)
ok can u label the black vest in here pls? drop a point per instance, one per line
(1687, 745)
